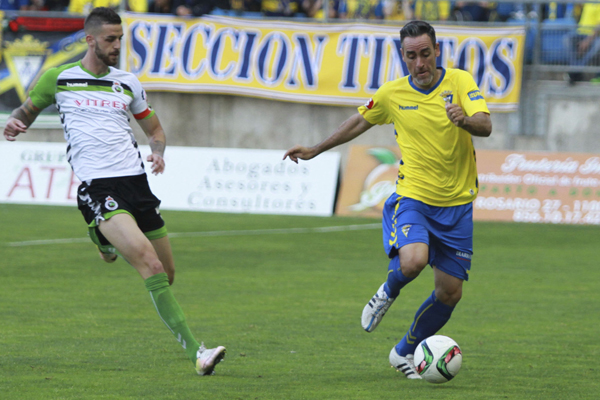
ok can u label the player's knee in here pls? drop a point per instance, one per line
(412, 265)
(149, 261)
(155, 266)
(450, 297)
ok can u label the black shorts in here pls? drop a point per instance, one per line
(102, 198)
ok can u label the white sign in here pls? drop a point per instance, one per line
(198, 179)
(36, 173)
(246, 181)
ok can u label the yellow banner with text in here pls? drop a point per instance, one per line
(335, 64)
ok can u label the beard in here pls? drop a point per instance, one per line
(106, 58)
(424, 81)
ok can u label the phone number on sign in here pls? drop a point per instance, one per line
(553, 211)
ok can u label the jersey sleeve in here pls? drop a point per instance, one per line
(42, 94)
(471, 97)
(376, 110)
(139, 106)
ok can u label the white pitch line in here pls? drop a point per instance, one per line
(250, 232)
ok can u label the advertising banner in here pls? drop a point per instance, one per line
(337, 64)
(36, 173)
(195, 179)
(538, 187)
(368, 180)
(514, 186)
(247, 181)
(26, 56)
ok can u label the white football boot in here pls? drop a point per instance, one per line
(376, 309)
(406, 365)
(208, 359)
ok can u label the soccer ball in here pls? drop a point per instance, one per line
(438, 359)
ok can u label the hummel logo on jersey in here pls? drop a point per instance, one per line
(462, 254)
(405, 229)
(80, 84)
(409, 107)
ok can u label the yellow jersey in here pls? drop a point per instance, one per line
(438, 158)
(590, 19)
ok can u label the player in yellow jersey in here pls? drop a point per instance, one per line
(429, 220)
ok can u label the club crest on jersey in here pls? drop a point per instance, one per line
(405, 229)
(447, 96)
(370, 104)
(110, 204)
(117, 88)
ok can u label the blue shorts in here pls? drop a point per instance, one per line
(448, 231)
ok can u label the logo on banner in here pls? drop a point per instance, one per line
(24, 59)
(381, 181)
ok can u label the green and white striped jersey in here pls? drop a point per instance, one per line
(94, 113)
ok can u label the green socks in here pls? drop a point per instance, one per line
(171, 314)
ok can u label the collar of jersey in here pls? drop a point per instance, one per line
(91, 73)
(410, 80)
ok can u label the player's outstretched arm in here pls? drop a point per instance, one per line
(348, 130)
(157, 141)
(479, 124)
(20, 119)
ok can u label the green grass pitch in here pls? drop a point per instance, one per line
(287, 306)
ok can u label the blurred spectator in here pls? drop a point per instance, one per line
(85, 6)
(360, 9)
(194, 8)
(508, 12)
(584, 44)
(315, 8)
(238, 6)
(160, 7)
(397, 10)
(430, 10)
(140, 6)
(553, 11)
(281, 8)
(476, 12)
(49, 5)
(14, 5)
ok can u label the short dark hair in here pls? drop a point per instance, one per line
(100, 16)
(416, 29)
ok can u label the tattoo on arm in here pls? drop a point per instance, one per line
(157, 146)
(26, 113)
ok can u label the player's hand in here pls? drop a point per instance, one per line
(13, 128)
(584, 45)
(455, 114)
(300, 152)
(158, 163)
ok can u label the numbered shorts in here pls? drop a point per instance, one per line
(100, 199)
(448, 231)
